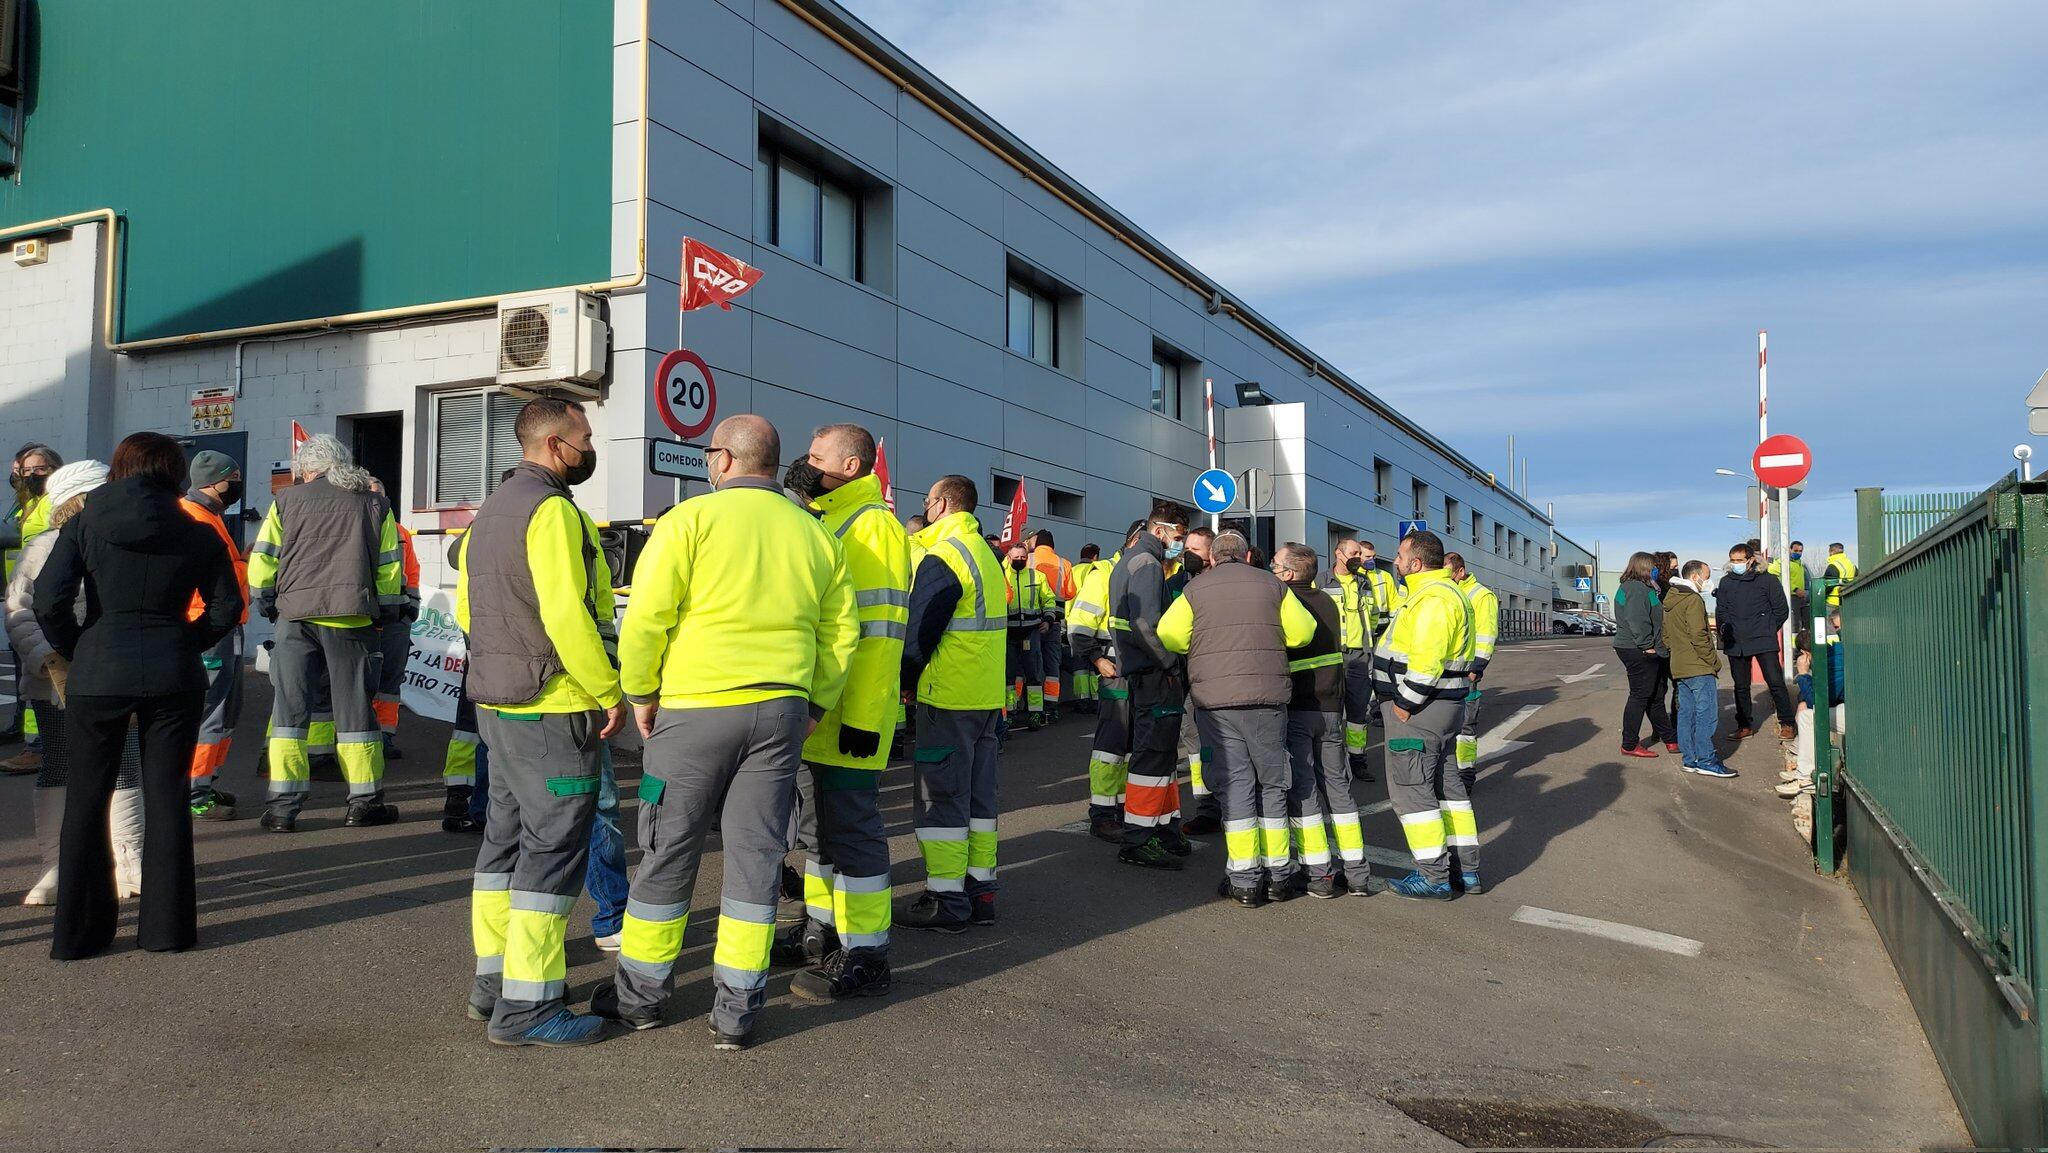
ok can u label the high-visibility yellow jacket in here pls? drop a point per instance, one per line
(576, 607)
(1840, 568)
(1485, 620)
(1428, 650)
(1388, 594)
(34, 522)
(1357, 608)
(1088, 616)
(877, 554)
(1798, 574)
(1081, 569)
(957, 655)
(739, 597)
(1026, 597)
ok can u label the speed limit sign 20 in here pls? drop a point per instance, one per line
(684, 394)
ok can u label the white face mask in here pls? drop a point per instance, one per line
(1734, 567)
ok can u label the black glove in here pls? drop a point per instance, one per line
(858, 742)
(266, 607)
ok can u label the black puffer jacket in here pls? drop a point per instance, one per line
(138, 558)
(1749, 609)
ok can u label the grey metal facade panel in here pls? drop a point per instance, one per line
(1043, 244)
(1119, 376)
(1109, 282)
(931, 347)
(937, 235)
(786, 31)
(796, 91)
(938, 293)
(817, 301)
(1049, 390)
(713, 38)
(942, 406)
(695, 104)
(1121, 334)
(804, 361)
(1113, 460)
(687, 176)
(949, 182)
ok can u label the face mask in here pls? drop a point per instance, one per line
(233, 495)
(1355, 564)
(584, 468)
(1193, 564)
(1018, 564)
(803, 478)
(1796, 554)
(1173, 550)
(1735, 567)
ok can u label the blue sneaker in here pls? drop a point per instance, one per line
(1471, 883)
(1712, 770)
(1415, 888)
(566, 1029)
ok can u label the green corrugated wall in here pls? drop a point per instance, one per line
(276, 160)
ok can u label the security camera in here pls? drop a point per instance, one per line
(2022, 452)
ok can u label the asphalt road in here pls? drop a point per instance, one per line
(1111, 1007)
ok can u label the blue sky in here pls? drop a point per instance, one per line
(1568, 221)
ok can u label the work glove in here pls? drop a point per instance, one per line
(858, 742)
(266, 607)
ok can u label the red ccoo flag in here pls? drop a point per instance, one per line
(299, 436)
(712, 277)
(882, 473)
(1013, 524)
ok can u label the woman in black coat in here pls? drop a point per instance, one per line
(141, 561)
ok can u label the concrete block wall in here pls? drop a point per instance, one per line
(55, 374)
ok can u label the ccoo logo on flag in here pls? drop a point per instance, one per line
(712, 277)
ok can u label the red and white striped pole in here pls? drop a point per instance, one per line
(1763, 429)
(1209, 421)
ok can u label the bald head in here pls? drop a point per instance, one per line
(750, 445)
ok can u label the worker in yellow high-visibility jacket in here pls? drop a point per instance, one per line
(1485, 634)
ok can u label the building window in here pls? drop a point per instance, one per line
(1382, 482)
(1169, 380)
(819, 208)
(1065, 505)
(1525, 550)
(1421, 501)
(473, 442)
(1034, 323)
(1452, 523)
(1002, 489)
(1476, 525)
(1499, 540)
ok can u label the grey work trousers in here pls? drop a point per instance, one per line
(1357, 701)
(1468, 740)
(1253, 781)
(748, 755)
(301, 652)
(1195, 758)
(839, 826)
(1109, 757)
(1426, 791)
(954, 806)
(223, 711)
(1322, 791)
(545, 776)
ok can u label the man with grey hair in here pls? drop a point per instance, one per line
(326, 568)
(1321, 782)
(1236, 623)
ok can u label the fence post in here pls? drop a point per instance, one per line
(2031, 519)
(1869, 527)
(1826, 854)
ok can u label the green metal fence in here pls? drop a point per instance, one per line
(1886, 523)
(1946, 641)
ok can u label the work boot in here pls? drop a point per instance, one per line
(1788, 732)
(928, 912)
(1150, 855)
(730, 1042)
(1359, 771)
(1175, 841)
(805, 944)
(566, 1029)
(1415, 888)
(1200, 824)
(455, 811)
(1034, 721)
(847, 973)
(280, 821)
(981, 909)
(1324, 888)
(1471, 884)
(368, 813)
(604, 1003)
(1107, 828)
(215, 806)
(1294, 886)
(1250, 897)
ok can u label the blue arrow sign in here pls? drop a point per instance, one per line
(1408, 526)
(1215, 490)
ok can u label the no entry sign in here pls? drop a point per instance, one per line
(1782, 461)
(684, 394)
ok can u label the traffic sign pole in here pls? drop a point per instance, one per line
(1783, 462)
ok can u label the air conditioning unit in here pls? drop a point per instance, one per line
(35, 250)
(552, 342)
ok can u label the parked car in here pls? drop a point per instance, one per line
(1563, 623)
(1597, 624)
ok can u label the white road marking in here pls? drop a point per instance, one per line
(1575, 678)
(1610, 930)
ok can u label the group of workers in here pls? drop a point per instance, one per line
(780, 636)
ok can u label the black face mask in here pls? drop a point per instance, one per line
(584, 468)
(803, 478)
(1018, 564)
(233, 495)
(1355, 564)
(1192, 563)
(30, 484)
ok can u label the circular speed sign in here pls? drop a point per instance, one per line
(684, 394)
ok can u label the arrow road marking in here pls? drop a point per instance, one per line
(1215, 492)
(1575, 678)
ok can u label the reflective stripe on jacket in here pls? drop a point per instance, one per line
(1427, 651)
(966, 670)
(877, 553)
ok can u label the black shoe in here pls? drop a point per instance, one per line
(1287, 890)
(461, 824)
(845, 974)
(981, 909)
(604, 1002)
(1150, 855)
(1034, 721)
(1109, 829)
(1372, 885)
(366, 814)
(1250, 898)
(805, 944)
(277, 822)
(1201, 823)
(1176, 841)
(1359, 771)
(1325, 888)
(927, 912)
(792, 884)
(393, 753)
(730, 1042)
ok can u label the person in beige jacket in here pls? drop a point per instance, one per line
(1695, 667)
